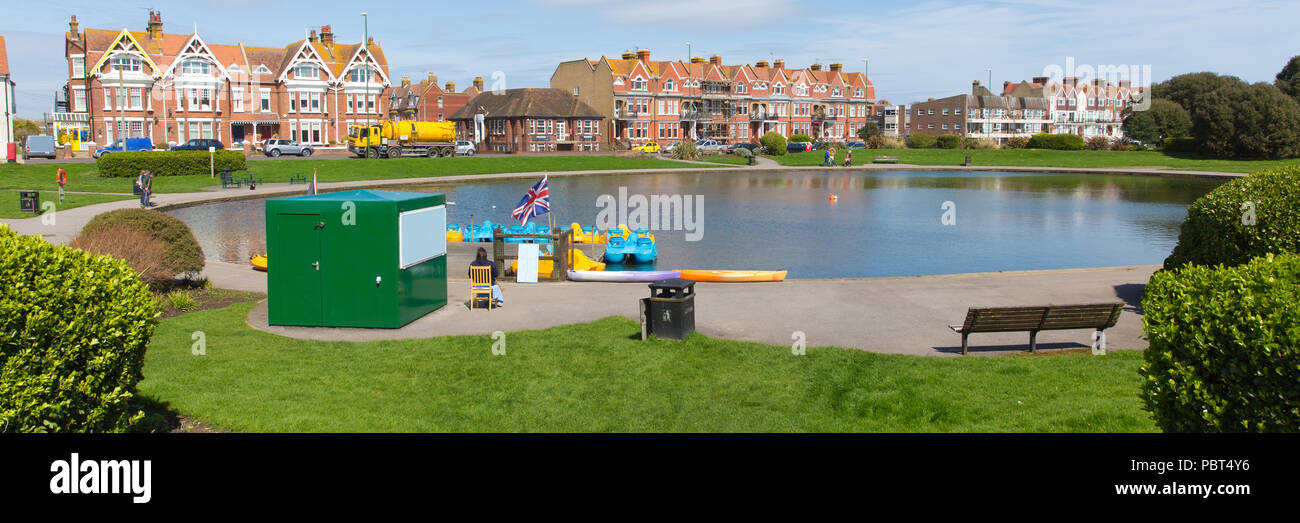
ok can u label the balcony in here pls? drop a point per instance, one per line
(624, 114)
(820, 115)
(759, 116)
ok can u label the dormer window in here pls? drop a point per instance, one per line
(778, 89)
(124, 63)
(196, 67)
(669, 85)
(306, 71)
(360, 74)
(262, 69)
(638, 84)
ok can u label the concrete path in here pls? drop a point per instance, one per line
(890, 315)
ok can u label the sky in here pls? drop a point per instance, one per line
(915, 49)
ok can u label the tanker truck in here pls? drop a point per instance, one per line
(394, 139)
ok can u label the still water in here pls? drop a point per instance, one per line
(882, 224)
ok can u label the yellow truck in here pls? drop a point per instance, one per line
(397, 138)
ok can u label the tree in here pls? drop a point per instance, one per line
(24, 128)
(1247, 121)
(868, 130)
(1288, 80)
(1164, 119)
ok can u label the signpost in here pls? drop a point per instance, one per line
(212, 164)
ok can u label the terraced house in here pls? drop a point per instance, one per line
(1088, 109)
(1024, 109)
(668, 101)
(175, 87)
(426, 101)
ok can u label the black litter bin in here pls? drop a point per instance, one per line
(29, 201)
(670, 309)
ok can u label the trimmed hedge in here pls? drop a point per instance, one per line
(166, 163)
(183, 253)
(73, 331)
(1059, 142)
(1224, 351)
(947, 141)
(920, 140)
(774, 143)
(1216, 231)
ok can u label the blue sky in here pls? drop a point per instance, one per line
(917, 49)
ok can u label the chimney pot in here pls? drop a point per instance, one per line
(815, 67)
(155, 25)
(779, 64)
(697, 60)
(628, 55)
(327, 36)
(406, 81)
(715, 60)
(370, 41)
(761, 63)
(72, 26)
(837, 67)
(312, 38)
(433, 79)
(478, 83)
(643, 55)
(450, 87)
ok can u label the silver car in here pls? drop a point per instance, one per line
(710, 146)
(465, 148)
(276, 148)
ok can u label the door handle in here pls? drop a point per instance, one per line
(316, 264)
(319, 225)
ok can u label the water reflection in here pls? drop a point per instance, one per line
(883, 223)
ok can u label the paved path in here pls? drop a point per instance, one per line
(890, 315)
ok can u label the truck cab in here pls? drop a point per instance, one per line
(358, 139)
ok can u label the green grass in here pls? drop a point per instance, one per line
(726, 159)
(596, 377)
(9, 201)
(84, 177)
(1041, 158)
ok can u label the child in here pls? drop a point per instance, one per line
(848, 158)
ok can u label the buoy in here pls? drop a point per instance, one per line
(833, 197)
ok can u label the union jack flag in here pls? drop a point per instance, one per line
(536, 203)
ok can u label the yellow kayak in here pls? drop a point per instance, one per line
(544, 267)
(733, 276)
(258, 261)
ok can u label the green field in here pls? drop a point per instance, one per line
(1041, 158)
(725, 159)
(9, 201)
(597, 377)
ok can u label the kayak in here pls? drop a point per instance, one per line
(623, 276)
(258, 261)
(544, 267)
(733, 276)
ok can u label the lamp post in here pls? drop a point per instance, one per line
(365, 43)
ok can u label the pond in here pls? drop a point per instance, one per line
(890, 223)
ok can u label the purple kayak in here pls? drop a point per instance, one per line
(623, 276)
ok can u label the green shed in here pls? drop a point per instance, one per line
(356, 258)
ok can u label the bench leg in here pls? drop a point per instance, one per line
(963, 343)
(1033, 341)
(1099, 342)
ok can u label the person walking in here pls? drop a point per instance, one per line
(848, 157)
(145, 182)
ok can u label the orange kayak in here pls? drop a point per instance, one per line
(733, 276)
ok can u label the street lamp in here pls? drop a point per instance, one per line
(365, 43)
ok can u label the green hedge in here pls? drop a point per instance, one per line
(1224, 351)
(774, 143)
(919, 140)
(166, 163)
(183, 251)
(1215, 230)
(73, 332)
(1179, 145)
(1060, 142)
(947, 141)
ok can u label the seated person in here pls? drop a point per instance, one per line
(483, 261)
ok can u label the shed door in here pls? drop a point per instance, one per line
(302, 235)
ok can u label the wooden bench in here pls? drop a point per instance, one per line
(228, 180)
(886, 159)
(297, 178)
(1099, 316)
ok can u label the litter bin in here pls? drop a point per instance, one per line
(29, 201)
(671, 308)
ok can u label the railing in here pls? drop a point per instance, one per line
(762, 115)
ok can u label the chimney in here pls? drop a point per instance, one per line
(72, 27)
(697, 60)
(779, 64)
(433, 79)
(815, 67)
(643, 55)
(837, 67)
(478, 83)
(1005, 85)
(155, 25)
(761, 63)
(326, 36)
(1125, 83)
(1070, 80)
(450, 87)
(370, 41)
(715, 60)
(406, 81)
(312, 38)
(1041, 80)
(629, 55)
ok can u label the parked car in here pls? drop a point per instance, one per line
(648, 147)
(42, 146)
(276, 148)
(465, 148)
(199, 144)
(753, 147)
(667, 148)
(798, 147)
(127, 145)
(857, 145)
(710, 146)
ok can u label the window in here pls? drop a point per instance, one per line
(78, 100)
(638, 84)
(124, 63)
(359, 74)
(199, 99)
(575, 90)
(945, 111)
(265, 100)
(237, 100)
(669, 85)
(440, 102)
(778, 89)
(195, 67)
(136, 98)
(78, 66)
(306, 71)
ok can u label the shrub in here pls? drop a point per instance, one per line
(1016, 142)
(686, 150)
(774, 143)
(1180, 145)
(874, 141)
(742, 152)
(919, 140)
(1060, 142)
(139, 249)
(1097, 143)
(891, 142)
(868, 130)
(166, 163)
(183, 253)
(182, 300)
(1216, 230)
(73, 331)
(948, 141)
(1224, 348)
(978, 143)
(1121, 145)
(801, 138)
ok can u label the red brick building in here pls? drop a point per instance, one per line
(426, 101)
(529, 120)
(175, 87)
(670, 101)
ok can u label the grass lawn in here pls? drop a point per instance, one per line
(1041, 158)
(596, 377)
(9, 201)
(84, 177)
(727, 159)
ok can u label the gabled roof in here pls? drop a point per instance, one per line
(526, 103)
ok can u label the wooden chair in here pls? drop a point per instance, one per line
(480, 285)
